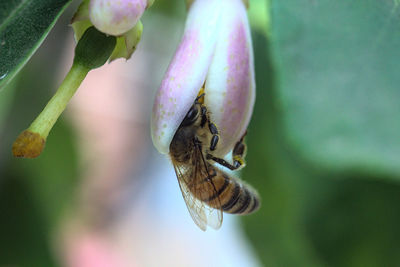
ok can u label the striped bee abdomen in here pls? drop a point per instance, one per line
(220, 191)
(240, 198)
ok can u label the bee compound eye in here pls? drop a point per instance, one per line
(191, 116)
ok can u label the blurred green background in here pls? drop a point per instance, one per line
(324, 141)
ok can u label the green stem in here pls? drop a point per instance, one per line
(92, 51)
(48, 117)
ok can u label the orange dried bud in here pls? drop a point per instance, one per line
(28, 145)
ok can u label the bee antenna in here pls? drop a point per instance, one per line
(198, 97)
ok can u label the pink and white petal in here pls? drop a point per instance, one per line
(230, 84)
(186, 73)
(116, 17)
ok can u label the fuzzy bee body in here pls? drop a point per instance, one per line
(207, 190)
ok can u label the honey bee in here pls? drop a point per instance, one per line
(207, 190)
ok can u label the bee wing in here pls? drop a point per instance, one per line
(201, 213)
(194, 206)
(214, 216)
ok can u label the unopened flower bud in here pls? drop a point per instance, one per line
(116, 17)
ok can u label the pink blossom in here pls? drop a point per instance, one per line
(215, 51)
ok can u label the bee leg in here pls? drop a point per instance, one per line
(204, 117)
(239, 152)
(215, 137)
(221, 162)
(211, 126)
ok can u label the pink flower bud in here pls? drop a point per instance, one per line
(215, 50)
(116, 17)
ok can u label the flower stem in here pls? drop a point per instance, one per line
(92, 51)
(48, 117)
(30, 143)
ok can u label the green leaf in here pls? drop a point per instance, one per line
(23, 26)
(6, 98)
(23, 230)
(354, 221)
(337, 75)
(276, 229)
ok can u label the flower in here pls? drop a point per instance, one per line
(116, 17)
(215, 51)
